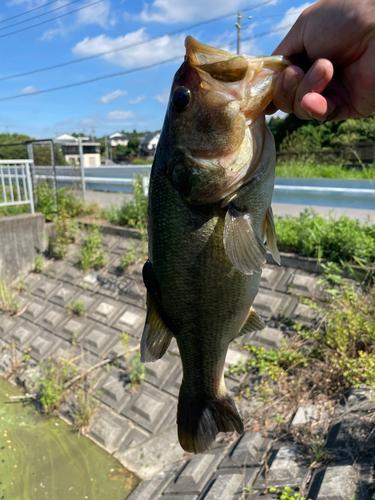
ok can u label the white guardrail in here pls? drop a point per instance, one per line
(15, 183)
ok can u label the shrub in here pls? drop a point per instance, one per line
(77, 307)
(55, 375)
(92, 255)
(39, 264)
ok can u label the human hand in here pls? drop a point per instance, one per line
(338, 37)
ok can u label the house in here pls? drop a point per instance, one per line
(70, 149)
(149, 143)
(117, 139)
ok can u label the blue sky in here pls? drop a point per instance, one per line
(136, 100)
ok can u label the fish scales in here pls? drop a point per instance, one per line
(209, 212)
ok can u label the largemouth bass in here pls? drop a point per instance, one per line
(209, 216)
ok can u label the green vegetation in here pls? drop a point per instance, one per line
(56, 373)
(66, 202)
(42, 153)
(287, 493)
(39, 264)
(339, 240)
(77, 307)
(128, 259)
(85, 410)
(66, 233)
(137, 371)
(92, 254)
(8, 302)
(312, 169)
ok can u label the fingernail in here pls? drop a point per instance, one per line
(290, 81)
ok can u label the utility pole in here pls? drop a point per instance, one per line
(238, 26)
(106, 149)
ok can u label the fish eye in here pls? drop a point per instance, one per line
(181, 98)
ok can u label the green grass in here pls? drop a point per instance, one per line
(338, 240)
(315, 170)
(92, 254)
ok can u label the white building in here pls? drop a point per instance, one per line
(149, 143)
(70, 149)
(117, 139)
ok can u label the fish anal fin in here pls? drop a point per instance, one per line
(270, 235)
(242, 245)
(156, 335)
(253, 323)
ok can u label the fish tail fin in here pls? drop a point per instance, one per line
(199, 420)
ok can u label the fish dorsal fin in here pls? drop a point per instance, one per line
(270, 235)
(253, 323)
(242, 245)
(156, 335)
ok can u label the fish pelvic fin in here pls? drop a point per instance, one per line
(156, 335)
(242, 245)
(253, 323)
(270, 235)
(199, 420)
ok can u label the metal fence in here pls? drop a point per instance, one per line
(16, 187)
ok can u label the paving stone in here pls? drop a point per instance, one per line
(43, 345)
(31, 281)
(361, 399)
(64, 295)
(173, 382)
(112, 286)
(285, 470)
(123, 245)
(55, 268)
(6, 362)
(114, 389)
(228, 484)
(54, 319)
(35, 308)
(99, 339)
(197, 472)
(134, 294)
(149, 408)
(134, 437)
(234, 357)
(173, 347)
(45, 287)
(132, 321)
(108, 241)
(270, 304)
(340, 482)
(271, 275)
(30, 378)
(79, 358)
(136, 271)
(118, 348)
(154, 455)
(114, 265)
(89, 281)
(149, 489)
(73, 255)
(179, 497)
(70, 273)
(305, 415)
(23, 333)
(105, 310)
(109, 429)
(269, 338)
(74, 328)
(303, 284)
(248, 451)
(158, 372)
(6, 325)
(304, 314)
(88, 298)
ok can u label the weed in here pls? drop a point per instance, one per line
(39, 264)
(55, 374)
(127, 260)
(137, 371)
(287, 493)
(8, 302)
(77, 307)
(66, 230)
(319, 451)
(92, 255)
(85, 410)
(66, 201)
(318, 170)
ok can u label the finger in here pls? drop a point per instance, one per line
(315, 81)
(285, 89)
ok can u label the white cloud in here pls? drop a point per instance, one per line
(163, 97)
(147, 53)
(137, 100)
(290, 17)
(29, 90)
(113, 95)
(49, 34)
(97, 14)
(120, 115)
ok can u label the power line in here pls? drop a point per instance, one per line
(52, 19)
(265, 33)
(131, 45)
(126, 72)
(39, 15)
(28, 11)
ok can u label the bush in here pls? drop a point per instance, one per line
(53, 383)
(66, 202)
(92, 255)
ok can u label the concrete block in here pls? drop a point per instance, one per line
(270, 304)
(23, 333)
(74, 328)
(31, 281)
(124, 245)
(305, 415)
(134, 294)
(149, 408)
(108, 241)
(54, 319)
(109, 429)
(150, 489)
(304, 314)
(111, 286)
(114, 389)
(99, 339)
(234, 357)
(114, 265)
(89, 281)
(154, 455)
(134, 437)
(340, 482)
(43, 345)
(303, 284)
(173, 382)
(6, 325)
(35, 307)
(285, 469)
(88, 298)
(54, 269)
(64, 295)
(197, 472)
(271, 275)
(30, 378)
(105, 310)
(269, 338)
(45, 287)
(70, 273)
(224, 487)
(132, 321)
(360, 399)
(158, 372)
(248, 451)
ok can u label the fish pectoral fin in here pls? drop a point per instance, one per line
(150, 281)
(242, 245)
(253, 323)
(156, 335)
(269, 235)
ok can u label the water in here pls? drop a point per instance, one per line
(43, 458)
